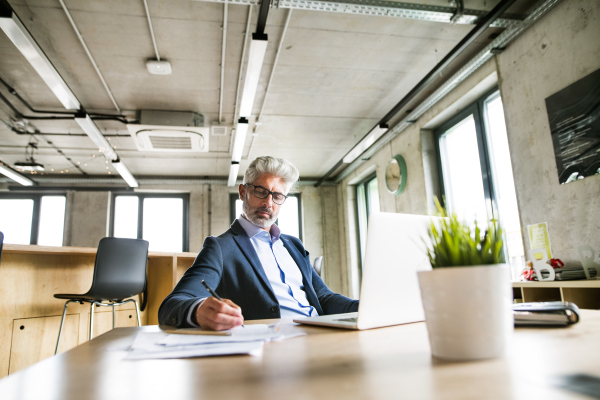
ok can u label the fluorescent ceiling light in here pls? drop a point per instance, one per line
(233, 173)
(258, 48)
(365, 143)
(20, 36)
(94, 133)
(125, 174)
(240, 138)
(15, 176)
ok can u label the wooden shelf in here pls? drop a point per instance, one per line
(555, 284)
(30, 275)
(584, 293)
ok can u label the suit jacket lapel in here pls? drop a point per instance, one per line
(243, 241)
(311, 295)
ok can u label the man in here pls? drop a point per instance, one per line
(259, 272)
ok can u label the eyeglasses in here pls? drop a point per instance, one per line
(262, 193)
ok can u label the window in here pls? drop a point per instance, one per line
(33, 218)
(367, 201)
(290, 214)
(476, 179)
(161, 219)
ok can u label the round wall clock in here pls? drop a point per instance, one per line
(395, 175)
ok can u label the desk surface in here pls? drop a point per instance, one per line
(377, 364)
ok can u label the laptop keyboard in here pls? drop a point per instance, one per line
(353, 319)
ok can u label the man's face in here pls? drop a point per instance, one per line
(262, 212)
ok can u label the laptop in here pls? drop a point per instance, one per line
(389, 294)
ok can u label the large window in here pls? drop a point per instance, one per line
(33, 218)
(290, 214)
(367, 201)
(161, 219)
(477, 179)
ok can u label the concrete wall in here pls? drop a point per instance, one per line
(559, 50)
(86, 220)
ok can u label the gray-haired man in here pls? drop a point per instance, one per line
(258, 271)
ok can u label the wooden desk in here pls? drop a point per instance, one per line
(385, 363)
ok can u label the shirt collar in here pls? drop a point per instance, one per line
(253, 230)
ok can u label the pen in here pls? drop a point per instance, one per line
(213, 294)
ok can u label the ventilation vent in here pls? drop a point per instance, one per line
(163, 139)
(166, 142)
(219, 130)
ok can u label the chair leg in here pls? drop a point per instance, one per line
(114, 316)
(91, 319)
(62, 322)
(137, 310)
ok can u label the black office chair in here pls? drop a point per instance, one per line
(119, 273)
(318, 265)
(1, 241)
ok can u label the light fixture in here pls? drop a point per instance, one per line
(365, 143)
(94, 133)
(20, 36)
(159, 67)
(233, 173)
(125, 174)
(258, 48)
(240, 138)
(15, 176)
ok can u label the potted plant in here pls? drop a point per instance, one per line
(467, 296)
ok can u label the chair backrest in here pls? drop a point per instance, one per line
(120, 269)
(1, 241)
(318, 265)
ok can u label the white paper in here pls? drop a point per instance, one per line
(244, 330)
(185, 340)
(145, 346)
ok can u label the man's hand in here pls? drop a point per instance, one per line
(219, 315)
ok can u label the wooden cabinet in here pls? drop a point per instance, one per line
(584, 293)
(31, 275)
(34, 339)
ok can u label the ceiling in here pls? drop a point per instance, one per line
(337, 75)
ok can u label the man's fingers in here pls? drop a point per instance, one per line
(232, 304)
(226, 306)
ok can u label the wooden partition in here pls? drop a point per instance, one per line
(30, 315)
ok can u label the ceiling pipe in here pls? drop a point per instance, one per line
(87, 51)
(151, 30)
(223, 47)
(263, 12)
(481, 26)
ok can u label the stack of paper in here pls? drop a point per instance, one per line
(248, 339)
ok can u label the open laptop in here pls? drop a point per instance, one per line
(390, 294)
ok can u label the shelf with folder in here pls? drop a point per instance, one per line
(584, 293)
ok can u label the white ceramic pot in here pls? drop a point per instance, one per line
(468, 311)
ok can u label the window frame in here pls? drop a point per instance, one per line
(36, 211)
(235, 196)
(140, 228)
(477, 109)
(363, 183)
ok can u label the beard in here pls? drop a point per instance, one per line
(259, 220)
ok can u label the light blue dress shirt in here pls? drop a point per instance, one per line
(281, 270)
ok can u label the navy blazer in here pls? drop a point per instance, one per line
(230, 264)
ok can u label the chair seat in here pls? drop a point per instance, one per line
(82, 297)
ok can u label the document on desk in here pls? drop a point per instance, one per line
(146, 346)
(241, 340)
